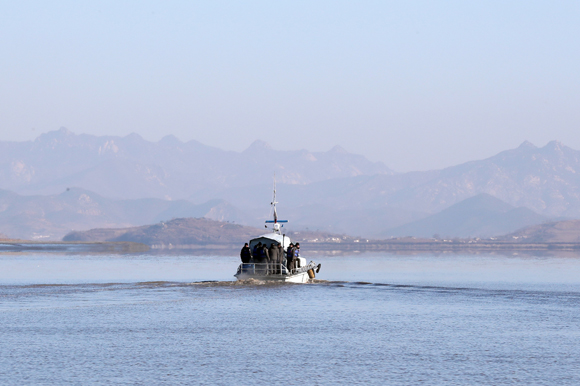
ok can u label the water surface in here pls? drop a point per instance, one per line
(372, 319)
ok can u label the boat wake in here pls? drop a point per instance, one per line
(253, 282)
(18, 291)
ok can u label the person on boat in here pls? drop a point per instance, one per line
(282, 256)
(277, 257)
(265, 254)
(295, 254)
(264, 259)
(246, 254)
(256, 251)
(290, 257)
(273, 253)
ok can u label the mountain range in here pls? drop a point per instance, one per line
(131, 167)
(544, 180)
(333, 191)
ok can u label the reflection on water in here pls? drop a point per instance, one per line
(368, 319)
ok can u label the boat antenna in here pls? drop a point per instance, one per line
(276, 223)
(274, 202)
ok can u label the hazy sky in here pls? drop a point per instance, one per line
(415, 84)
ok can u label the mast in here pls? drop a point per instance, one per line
(276, 223)
(274, 202)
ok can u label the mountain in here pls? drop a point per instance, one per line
(479, 216)
(51, 217)
(131, 167)
(552, 232)
(545, 180)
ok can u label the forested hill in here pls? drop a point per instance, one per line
(551, 232)
(180, 231)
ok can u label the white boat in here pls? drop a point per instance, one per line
(300, 272)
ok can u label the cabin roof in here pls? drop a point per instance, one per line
(268, 238)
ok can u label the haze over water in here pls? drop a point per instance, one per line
(371, 319)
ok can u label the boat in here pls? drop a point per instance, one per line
(299, 272)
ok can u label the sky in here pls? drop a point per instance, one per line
(417, 85)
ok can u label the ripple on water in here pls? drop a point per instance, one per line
(377, 330)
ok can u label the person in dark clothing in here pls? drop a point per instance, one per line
(246, 254)
(290, 257)
(257, 256)
(256, 250)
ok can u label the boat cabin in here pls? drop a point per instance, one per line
(270, 238)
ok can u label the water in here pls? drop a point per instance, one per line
(376, 319)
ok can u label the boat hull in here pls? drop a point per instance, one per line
(301, 277)
(276, 272)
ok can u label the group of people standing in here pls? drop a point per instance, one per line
(272, 257)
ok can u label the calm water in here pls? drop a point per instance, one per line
(375, 319)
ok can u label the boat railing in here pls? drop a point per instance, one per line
(271, 269)
(266, 269)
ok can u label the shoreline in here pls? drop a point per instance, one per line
(443, 246)
(72, 246)
(331, 248)
(398, 246)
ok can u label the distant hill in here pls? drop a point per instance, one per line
(195, 232)
(177, 232)
(480, 216)
(51, 217)
(552, 232)
(4, 237)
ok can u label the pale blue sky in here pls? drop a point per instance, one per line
(415, 84)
